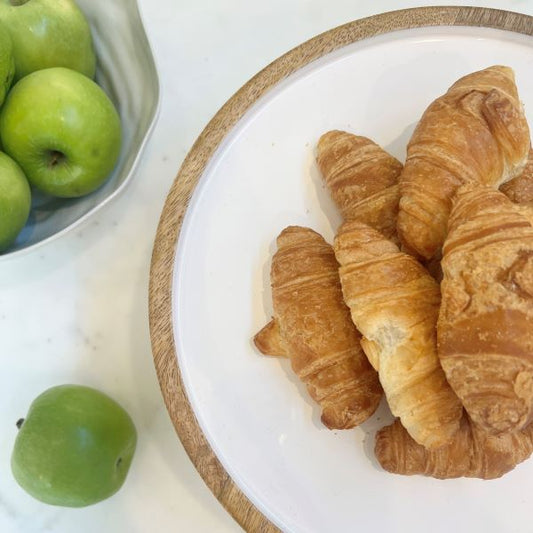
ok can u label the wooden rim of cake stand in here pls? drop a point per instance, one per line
(162, 265)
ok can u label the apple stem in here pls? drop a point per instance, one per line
(17, 2)
(20, 421)
(119, 460)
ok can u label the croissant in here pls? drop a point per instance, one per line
(316, 330)
(394, 303)
(485, 339)
(476, 132)
(471, 453)
(520, 189)
(362, 179)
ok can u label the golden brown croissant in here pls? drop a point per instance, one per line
(485, 326)
(476, 132)
(471, 453)
(520, 189)
(394, 303)
(318, 334)
(362, 179)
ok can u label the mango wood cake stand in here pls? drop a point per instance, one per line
(161, 274)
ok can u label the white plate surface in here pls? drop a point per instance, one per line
(258, 419)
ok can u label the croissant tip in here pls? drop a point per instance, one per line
(258, 343)
(504, 69)
(332, 420)
(325, 140)
(291, 233)
(383, 447)
(350, 416)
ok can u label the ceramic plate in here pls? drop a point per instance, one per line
(255, 415)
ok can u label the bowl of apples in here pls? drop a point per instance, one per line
(79, 96)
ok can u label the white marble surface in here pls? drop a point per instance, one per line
(76, 310)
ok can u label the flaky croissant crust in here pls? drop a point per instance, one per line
(475, 133)
(362, 179)
(317, 332)
(472, 452)
(394, 303)
(485, 325)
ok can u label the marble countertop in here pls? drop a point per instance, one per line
(76, 310)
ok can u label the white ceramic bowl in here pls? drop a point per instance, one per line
(127, 72)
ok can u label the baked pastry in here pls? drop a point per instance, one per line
(269, 340)
(520, 189)
(362, 179)
(475, 133)
(317, 332)
(394, 303)
(471, 453)
(485, 326)
(526, 210)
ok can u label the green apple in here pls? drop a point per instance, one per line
(48, 33)
(63, 130)
(74, 448)
(7, 63)
(15, 201)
